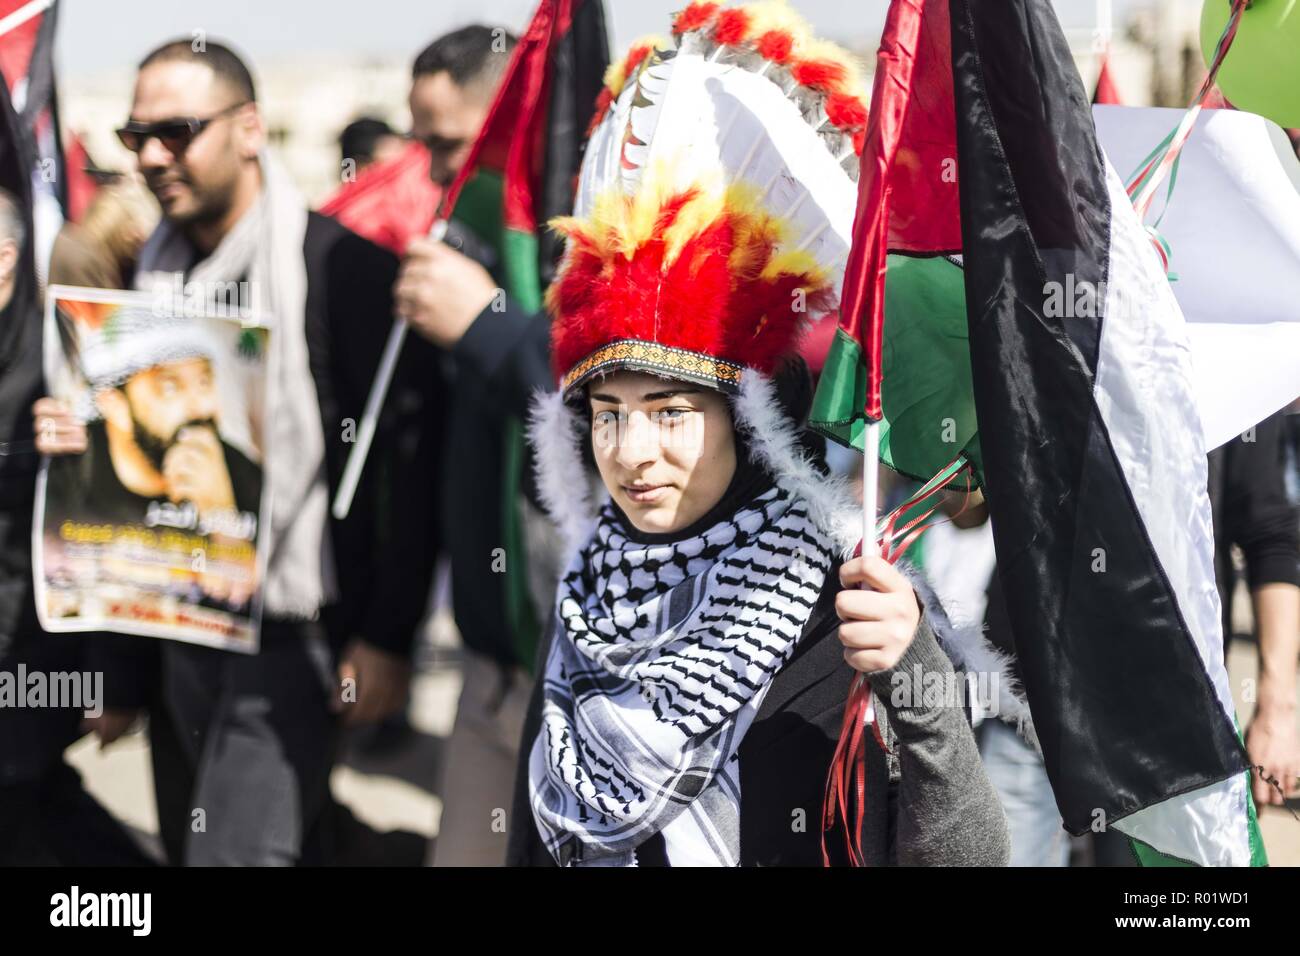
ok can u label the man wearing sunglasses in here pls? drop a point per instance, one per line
(186, 197)
(255, 735)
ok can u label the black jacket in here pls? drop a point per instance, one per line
(386, 548)
(498, 364)
(927, 803)
(21, 383)
(1251, 510)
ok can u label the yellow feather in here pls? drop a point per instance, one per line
(795, 262)
(566, 225)
(770, 15)
(645, 207)
(693, 219)
(616, 76)
(757, 231)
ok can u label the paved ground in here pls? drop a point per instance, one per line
(396, 793)
(393, 791)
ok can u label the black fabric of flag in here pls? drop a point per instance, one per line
(1121, 700)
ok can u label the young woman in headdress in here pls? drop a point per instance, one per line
(707, 627)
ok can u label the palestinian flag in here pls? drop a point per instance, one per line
(906, 207)
(521, 171)
(519, 174)
(27, 64)
(389, 203)
(1091, 452)
(1106, 93)
(1237, 179)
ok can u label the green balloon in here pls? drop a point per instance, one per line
(1261, 72)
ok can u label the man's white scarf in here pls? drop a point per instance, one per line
(266, 248)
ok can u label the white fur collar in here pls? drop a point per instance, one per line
(572, 498)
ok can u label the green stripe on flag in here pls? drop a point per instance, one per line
(479, 207)
(519, 269)
(841, 393)
(1148, 856)
(926, 392)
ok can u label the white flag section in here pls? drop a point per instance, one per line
(1233, 227)
(1144, 387)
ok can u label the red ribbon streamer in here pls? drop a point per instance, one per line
(845, 796)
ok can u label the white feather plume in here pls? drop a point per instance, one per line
(719, 122)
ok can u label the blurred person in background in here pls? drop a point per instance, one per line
(368, 140)
(497, 359)
(1253, 512)
(1015, 765)
(253, 736)
(46, 817)
(956, 557)
(101, 250)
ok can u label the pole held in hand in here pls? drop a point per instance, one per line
(374, 403)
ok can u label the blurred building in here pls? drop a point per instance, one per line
(306, 103)
(1154, 60)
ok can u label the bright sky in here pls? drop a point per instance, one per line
(95, 35)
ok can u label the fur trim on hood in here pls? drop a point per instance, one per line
(572, 495)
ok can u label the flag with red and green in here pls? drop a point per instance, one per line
(520, 173)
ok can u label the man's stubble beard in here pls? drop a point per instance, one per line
(210, 204)
(207, 208)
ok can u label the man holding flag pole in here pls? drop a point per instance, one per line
(503, 121)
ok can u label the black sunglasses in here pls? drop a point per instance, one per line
(175, 134)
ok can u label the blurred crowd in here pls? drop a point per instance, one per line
(252, 739)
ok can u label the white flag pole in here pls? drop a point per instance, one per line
(870, 488)
(23, 14)
(870, 509)
(375, 402)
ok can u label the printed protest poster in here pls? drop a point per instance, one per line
(158, 528)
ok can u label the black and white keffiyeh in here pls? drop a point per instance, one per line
(660, 658)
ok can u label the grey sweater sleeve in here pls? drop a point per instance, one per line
(948, 812)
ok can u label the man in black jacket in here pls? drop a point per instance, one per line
(251, 738)
(46, 817)
(499, 356)
(1252, 511)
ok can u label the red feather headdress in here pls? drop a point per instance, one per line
(697, 271)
